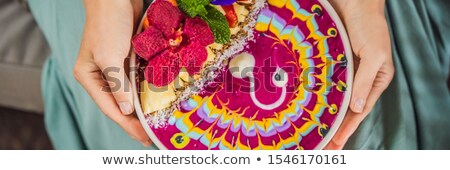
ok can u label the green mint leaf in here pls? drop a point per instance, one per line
(216, 21)
(203, 2)
(187, 9)
(193, 7)
(201, 10)
(218, 25)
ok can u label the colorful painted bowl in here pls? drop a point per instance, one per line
(295, 95)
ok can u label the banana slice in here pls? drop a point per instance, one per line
(156, 98)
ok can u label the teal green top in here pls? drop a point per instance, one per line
(412, 114)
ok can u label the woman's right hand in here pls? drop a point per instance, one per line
(105, 45)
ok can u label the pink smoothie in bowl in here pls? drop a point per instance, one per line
(285, 84)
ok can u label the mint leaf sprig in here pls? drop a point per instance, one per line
(216, 21)
(193, 7)
(218, 24)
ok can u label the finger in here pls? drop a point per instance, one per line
(107, 104)
(363, 83)
(333, 146)
(94, 83)
(118, 83)
(381, 83)
(353, 120)
(373, 98)
(348, 127)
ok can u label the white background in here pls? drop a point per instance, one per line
(92, 160)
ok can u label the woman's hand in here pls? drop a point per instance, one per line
(105, 46)
(369, 36)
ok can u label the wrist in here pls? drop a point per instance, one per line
(95, 7)
(107, 2)
(350, 8)
(92, 4)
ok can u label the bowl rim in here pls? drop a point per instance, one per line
(336, 124)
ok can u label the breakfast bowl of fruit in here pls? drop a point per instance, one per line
(241, 74)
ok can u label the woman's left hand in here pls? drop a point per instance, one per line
(369, 36)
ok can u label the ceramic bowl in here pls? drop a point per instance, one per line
(308, 121)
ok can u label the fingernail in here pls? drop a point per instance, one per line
(125, 108)
(147, 143)
(359, 105)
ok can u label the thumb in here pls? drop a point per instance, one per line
(119, 84)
